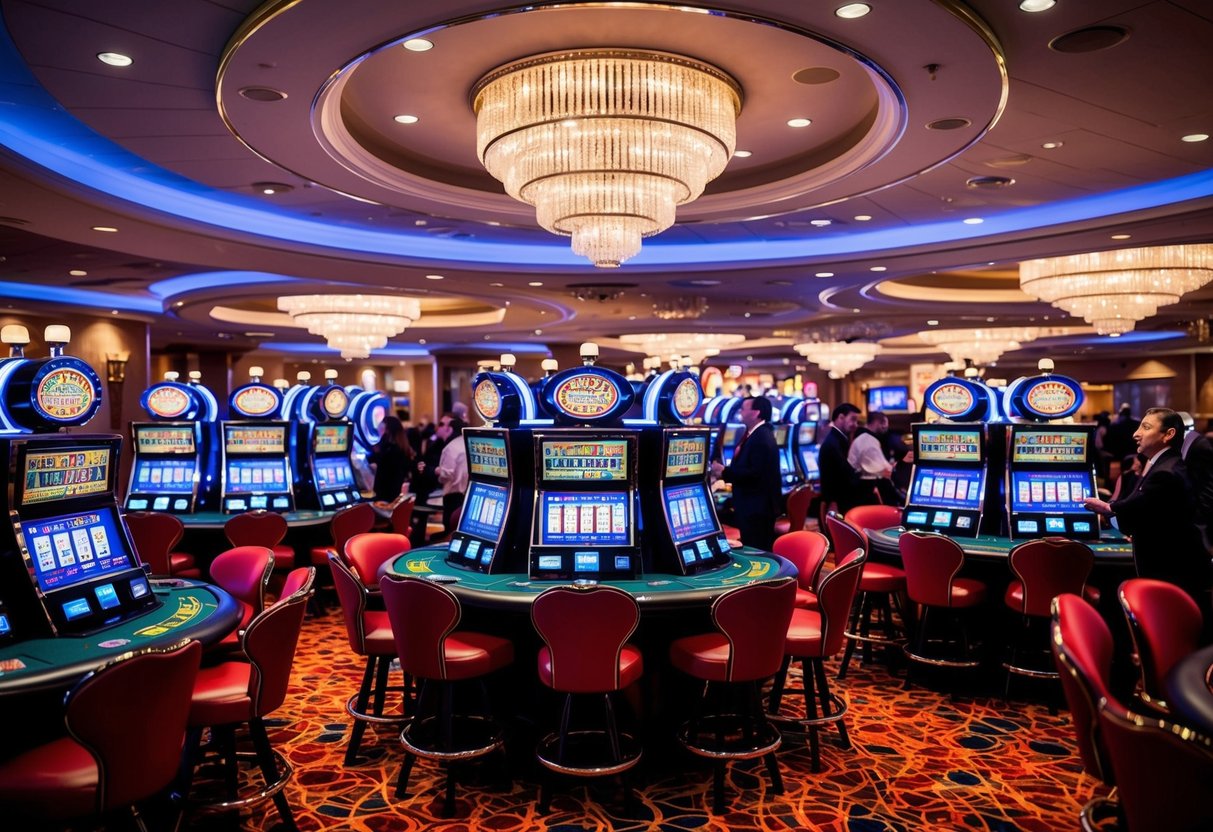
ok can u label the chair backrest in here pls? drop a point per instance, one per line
(352, 595)
(243, 572)
(154, 534)
(585, 629)
(1165, 624)
(136, 740)
(350, 521)
(1048, 567)
(1082, 648)
(368, 551)
(255, 528)
(846, 537)
(799, 499)
(1162, 770)
(835, 597)
(269, 643)
(299, 580)
(873, 517)
(402, 516)
(807, 551)
(931, 562)
(755, 618)
(423, 613)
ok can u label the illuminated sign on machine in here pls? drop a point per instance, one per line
(602, 459)
(254, 439)
(175, 439)
(487, 456)
(330, 439)
(63, 474)
(584, 519)
(686, 456)
(1049, 448)
(948, 445)
(73, 548)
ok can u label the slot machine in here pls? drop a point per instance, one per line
(692, 539)
(255, 452)
(366, 411)
(948, 483)
(321, 440)
(788, 471)
(492, 533)
(175, 465)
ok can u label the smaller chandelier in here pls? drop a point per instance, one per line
(687, 347)
(681, 308)
(1113, 290)
(981, 346)
(838, 358)
(355, 325)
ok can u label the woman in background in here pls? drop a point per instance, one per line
(392, 459)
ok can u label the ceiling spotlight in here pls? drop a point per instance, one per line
(878, 269)
(824, 274)
(852, 11)
(271, 188)
(1032, 6)
(1121, 236)
(435, 277)
(114, 59)
(78, 273)
(862, 217)
(417, 45)
(1052, 145)
(405, 119)
(799, 122)
(535, 283)
(742, 154)
(973, 221)
(108, 229)
(820, 223)
(1195, 137)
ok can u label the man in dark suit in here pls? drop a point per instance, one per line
(1159, 513)
(839, 481)
(755, 476)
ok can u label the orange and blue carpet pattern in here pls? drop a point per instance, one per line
(921, 760)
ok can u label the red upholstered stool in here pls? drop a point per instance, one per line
(880, 589)
(156, 535)
(932, 563)
(797, 511)
(807, 551)
(369, 634)
(261, 528)
(229, 695)
(813, 636)
(1044, 568)
(425, 619)
(366, 554)
(585, 653)
(1166, 626)
(346, 523)
(744, 650)
(121, 748)
(244, 573)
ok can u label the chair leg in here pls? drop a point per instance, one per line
(269, 770)
(718, 804)
(810, 707)
(138, 819)
(383, 665)
(852, 627)
(781, 678)
(827, 700)
(359, 726)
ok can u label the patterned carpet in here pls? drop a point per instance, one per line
(922, 760)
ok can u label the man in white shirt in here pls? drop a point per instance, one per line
(452, 470)
(867, 456)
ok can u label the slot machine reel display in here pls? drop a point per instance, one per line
(176, 456)
(255, 461)
(947, 488)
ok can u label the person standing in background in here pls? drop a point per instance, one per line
(392, 460)
(867, 456)
(754, 473)
(839, 481)
(452, 470)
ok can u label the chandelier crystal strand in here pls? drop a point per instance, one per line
(352, 324)
(606, 143)
(1113, 290)
(981, 346)
(838, 358)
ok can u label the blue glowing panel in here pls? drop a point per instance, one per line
(75, 547)
(484, 510)
(1054, 492)
(955, 488)
(689, 513)
(584, 518)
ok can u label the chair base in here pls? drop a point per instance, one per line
(1101, 813)
(940, 661)
(367, 706)
(588, 753)
(729, 737)
(285, 772)
(471, 735)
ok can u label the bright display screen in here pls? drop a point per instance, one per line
(584, 518)
(165, 476)
(1054, 492)
(1049, 447)
(331, 439)
(688, 511)
(686, 456)
(487, 456)
(959, 488)
(728, 441)
(808, 460)
(65, 473)
(164, 439)
(75, 547)
(781, 435)
(806, 433)
(247, 476)
(948, 444)
(333, 474)
(484, 510)
(894, 399)
(584, 459)
(254, 439)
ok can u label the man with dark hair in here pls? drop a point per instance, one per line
(839, 481)
(755, 476)
(1119, 439)
(452, 470)
(867, 456)
(1159, 513)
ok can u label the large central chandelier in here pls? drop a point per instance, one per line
(694, 346)
(1113, 290)
(355, 325)
(838, 358)
(981, 346)
(605, 143)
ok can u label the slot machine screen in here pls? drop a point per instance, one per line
(579, 460)
(947, 488)
(165, 476)
(1053, 492)
(165, 439)
(947, 444)
(254, 439)
(483, 513)
(781, 436)
(689, 513)
(332, 474)
(487, 456)
(806, 434)
(895, 399)
(331, 439)
(64, 473)
(686, 456)
(1049, 447)
(68, 549)
(728, 440)
(584, 518)
(248, 476)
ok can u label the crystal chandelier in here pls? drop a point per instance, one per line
(838, 358)
(352, 324)
(981, 346)
(605, 143)
(1113, 290)
(693, 345)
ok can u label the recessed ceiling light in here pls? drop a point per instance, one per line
(1052, 145)
(878, 269)
(535, 283)
(932, 323)
(779, 283)
(114, 58)
(1121, 236)
(820, 223)
(420, 223)
(113, 311)
(1113, 334)
(742, 154)
(405, 119)
(109, 229)
(421, 341)
(703, 281)
(264, 94)
(862, 217)
(991, 319)
(972, 220)
(78, 273)
(1032, 6)
(851, 11)
(799, 122)
(497, 285)
(179, 304)
(417, 45)
(824, 274)
(271, 188)
(1196, 137)
(539, 332)
(435, 277)
(631, 317)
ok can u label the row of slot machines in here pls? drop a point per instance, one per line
(797, 423)
(1021, 474)
(280, 450)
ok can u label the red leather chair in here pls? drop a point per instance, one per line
(156, 535)
(367, 552)
(1083, 649)
(244, 573)
(425, 617)
(807, 551)
(1044, 568)
(351, 520)
(261, 528)
(799, 499)
(1165, 624)
(121, 748)
(881, 586)
(932, 564)
(744, 650)
(243, 692)
(585, 653)
(813, 636)
(401, 520)
(873, 517)
(369, 634)
(295, 580)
